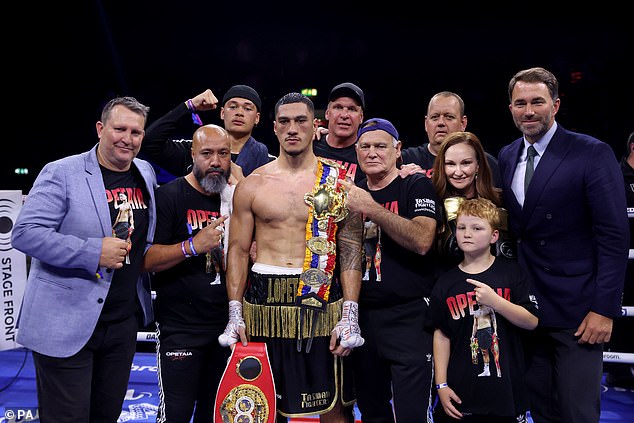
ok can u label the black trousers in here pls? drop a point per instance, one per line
(394, 364)
(90, 386)
(188, 381)
(563, 377)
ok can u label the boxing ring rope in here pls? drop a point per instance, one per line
(608, 356)
(621, 357)
(618, 357)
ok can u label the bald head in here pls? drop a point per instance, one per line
(445, 115)
(210, 134)
(211, 154)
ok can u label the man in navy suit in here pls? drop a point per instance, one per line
(572, 233)
(85, 294)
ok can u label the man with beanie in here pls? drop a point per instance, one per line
(344, 114)
(240, 111)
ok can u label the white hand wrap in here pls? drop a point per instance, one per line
(347, 329)
(231, 335)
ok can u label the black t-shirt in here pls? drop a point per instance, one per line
(404, 274)
(190, 298)
(451, 310)
(421, 156)
(127, 199)
(346, 156)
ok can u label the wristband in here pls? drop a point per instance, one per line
(184, 250)
(442, 385)
(195, 117)
(191, 246)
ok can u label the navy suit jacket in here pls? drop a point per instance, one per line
(61, 226)
(573, 229)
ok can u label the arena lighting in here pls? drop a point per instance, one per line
(21, 171)
(309, 92)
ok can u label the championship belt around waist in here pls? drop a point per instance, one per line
(246, 393)
(326, 207)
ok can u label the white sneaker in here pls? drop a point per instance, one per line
(485, 372)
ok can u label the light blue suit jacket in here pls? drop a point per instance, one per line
(61, 227)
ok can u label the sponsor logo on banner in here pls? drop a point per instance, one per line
(13, 266)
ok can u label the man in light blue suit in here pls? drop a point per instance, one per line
(85, 295)
(572, 231)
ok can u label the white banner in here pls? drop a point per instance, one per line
(13, 268)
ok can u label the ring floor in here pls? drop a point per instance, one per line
(18, 393)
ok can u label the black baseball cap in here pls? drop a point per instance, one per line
(347, 89)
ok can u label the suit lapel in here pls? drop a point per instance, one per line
(148, 179)
(94, 178)
(553, 156)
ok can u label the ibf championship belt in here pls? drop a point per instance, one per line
(326, 207)
(246, 393)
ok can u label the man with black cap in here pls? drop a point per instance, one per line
(344, 114)
(240, 111)
(393, 369)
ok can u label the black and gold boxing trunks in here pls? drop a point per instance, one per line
(270, 310)
(306, 382)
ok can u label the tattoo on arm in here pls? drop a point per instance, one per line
(350, 242)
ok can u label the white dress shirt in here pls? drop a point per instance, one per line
(520, 170)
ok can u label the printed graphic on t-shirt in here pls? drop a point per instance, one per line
(214, 259)
(424, 205)
(484, 339)
(484, 334)
(125, 200)
(370, 244)
(351, 168)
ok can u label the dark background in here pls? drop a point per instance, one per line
(62, 64)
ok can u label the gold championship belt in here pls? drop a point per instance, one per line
(451, 207)
(327, 207)
(327, 200)
(246, 393)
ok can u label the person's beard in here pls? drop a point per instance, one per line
(210, 182)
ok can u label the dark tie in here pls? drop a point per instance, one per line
(530, 168)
